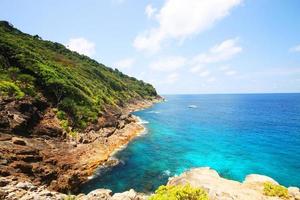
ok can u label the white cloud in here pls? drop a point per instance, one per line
(179, 19)
(295, 48)
(82, 46)
(219, 53)
(124, 63)
(150, 11)
(168, 63)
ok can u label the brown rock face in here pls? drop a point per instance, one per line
(20, 116)
(34, 148)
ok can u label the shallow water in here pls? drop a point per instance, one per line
(233, 134)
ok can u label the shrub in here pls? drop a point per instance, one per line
(65, 125)
(61, 115)
(10, 89)
(179, 192)
(271, 189)
(73, 134)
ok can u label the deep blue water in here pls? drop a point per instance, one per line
(234, 134)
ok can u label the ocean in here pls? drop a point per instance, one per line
(235, 134)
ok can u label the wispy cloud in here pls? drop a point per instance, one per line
(295, 48)
(168, 63)
(82, 46)
(179, 19)
(150, 11)
(124, 63)
(219, 53)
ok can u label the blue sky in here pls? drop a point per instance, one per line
(181, 47)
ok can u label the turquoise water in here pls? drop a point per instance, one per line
(233, 134)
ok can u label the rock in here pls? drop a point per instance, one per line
(18, 141)
(3, 162)
(294, 192)
(3, 194)
(129, 195)
(3, 182)
(121, 124)
(22, 167)
(99, 194)
(219, 188)
(5, 137)
(256, 178)
(25, 185)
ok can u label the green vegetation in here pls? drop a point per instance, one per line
(8, 88)
(271, 189)
(70, 197)
(179, 193)
(77, 85)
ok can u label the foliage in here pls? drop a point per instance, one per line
(179, 192)
(70, 197)
(271, 189)
(10, 89)
(76, 84)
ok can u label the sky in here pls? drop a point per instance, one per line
(179, 46)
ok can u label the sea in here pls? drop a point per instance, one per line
(234, 134)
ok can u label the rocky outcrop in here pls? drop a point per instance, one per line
(20, 116)
(34, 148)
(217, 187)
(13, 190)
(220, 188)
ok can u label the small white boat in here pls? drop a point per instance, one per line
(193, 106)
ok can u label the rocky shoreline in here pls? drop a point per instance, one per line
(218, 188)
(48, 164)
(47, 156)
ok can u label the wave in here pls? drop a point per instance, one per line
(141, 121)
(193, 106)
(153, 111)
(167, 173)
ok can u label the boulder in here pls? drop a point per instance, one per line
(256, 178)
(294, 192)
(131, 194)
(24, 185)
(99, 194)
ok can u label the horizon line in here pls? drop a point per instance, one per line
(230, 93)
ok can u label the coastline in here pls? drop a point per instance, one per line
(100, 155)
(216, 187)
(64, 163)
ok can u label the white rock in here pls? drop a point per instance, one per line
(25, 185)
(128, 195)
(294, 192)
(256, 178)
(99, 194)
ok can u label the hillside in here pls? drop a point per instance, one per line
(75, 84)
(61, 114)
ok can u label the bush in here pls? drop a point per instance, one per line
(179, 193)
(61, 115)
(271, 189)
(10, 89)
